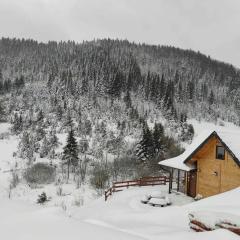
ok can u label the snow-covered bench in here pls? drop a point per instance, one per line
(156, 194)
(157, 202)
(156, 198)
(164, 201)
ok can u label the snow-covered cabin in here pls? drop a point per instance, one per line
(210, 165)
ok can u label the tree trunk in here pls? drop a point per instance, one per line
(68, 170)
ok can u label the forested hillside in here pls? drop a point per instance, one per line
(180, 80)
(123, 102)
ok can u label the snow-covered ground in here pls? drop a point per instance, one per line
(123, 216)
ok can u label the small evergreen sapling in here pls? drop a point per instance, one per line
(42, 198)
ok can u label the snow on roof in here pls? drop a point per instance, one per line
(230, 137)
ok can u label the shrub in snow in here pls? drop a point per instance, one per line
(78, 201)
(40, 173)
(14, 179)
(63, 206)
(221, 123)
(59, 190)
(99, 176)
(4, 135)
(42, 198)
(13, 182)
(187, 132)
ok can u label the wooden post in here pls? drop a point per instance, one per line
(105, 193)
(178, 180)
(170, 180)
(185, 182)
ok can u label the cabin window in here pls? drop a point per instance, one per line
(220, 153)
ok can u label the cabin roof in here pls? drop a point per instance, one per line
(229, 139)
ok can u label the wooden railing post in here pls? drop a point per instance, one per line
(105, 192)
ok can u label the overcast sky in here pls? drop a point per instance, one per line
(210, 26)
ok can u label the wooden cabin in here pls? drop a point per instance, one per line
(211, 165)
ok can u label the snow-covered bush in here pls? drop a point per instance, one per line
(187, 132)
(13, 182)
(42, 198)
(99, 176)
(4, 135)
(60, 191)
(78, 200)
(40, 173)
(63, 206)
(14, 179)
(221, 123)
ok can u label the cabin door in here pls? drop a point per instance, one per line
(192, 183)
(209, 177)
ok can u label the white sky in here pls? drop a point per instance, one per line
(210, 26)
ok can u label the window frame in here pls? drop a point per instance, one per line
(219, 146)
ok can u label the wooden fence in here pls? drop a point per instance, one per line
(145, 181)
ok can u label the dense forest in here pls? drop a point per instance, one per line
(129, 100)
(181, 81)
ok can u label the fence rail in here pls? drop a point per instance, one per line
(145, 181)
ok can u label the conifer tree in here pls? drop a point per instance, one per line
(145, 148)
(44, 150)
(68, 123)
(40, 116)
(162, 86)
(2, 112)
(127, 100)
(211, 98)
(17, 124)
(158, 135)
(70, 152)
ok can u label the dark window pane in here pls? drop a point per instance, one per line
(220, 153)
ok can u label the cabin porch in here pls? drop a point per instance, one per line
(182, 181)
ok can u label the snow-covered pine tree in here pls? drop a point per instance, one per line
(70, 152)
(45, 148)
(145, 148)
(2, 112)
(158, 135)
(17, 123)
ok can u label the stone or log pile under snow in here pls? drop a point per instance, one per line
(209, 221)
